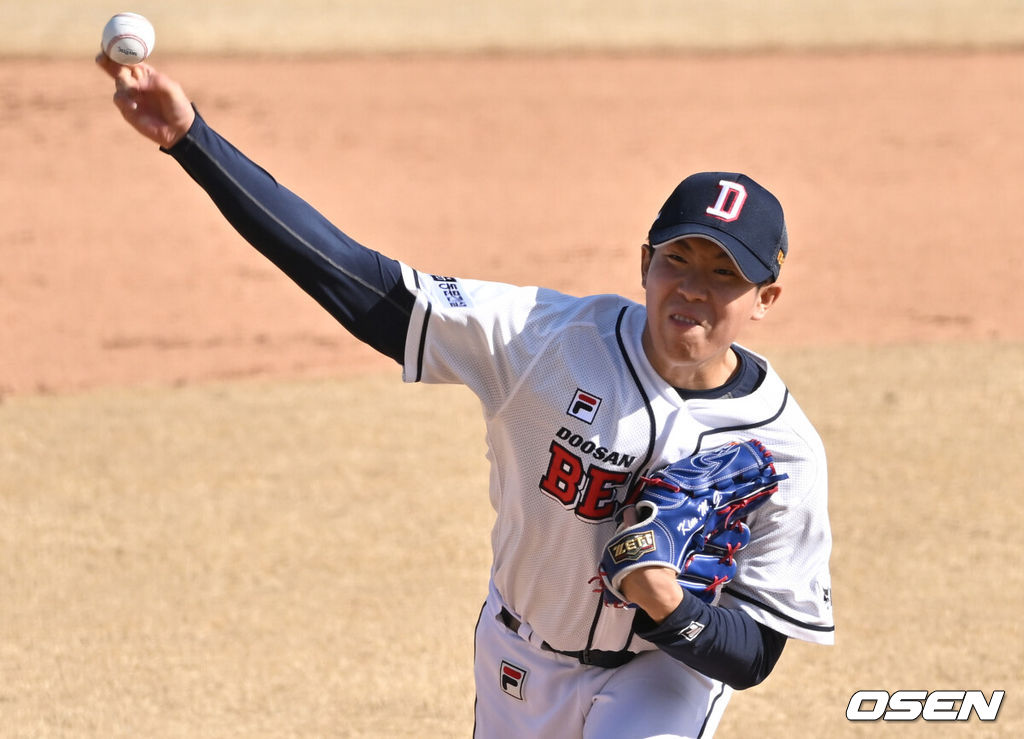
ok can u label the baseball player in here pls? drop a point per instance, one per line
(582, 397)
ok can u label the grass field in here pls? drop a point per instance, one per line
(239, 559)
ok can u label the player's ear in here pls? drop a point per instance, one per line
(646, 254)
(767, 295)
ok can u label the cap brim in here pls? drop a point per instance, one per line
(752, 268)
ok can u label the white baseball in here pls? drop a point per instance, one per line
(128, 38)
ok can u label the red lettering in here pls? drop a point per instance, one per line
(565, 472)
(599, 498)
(590, 491)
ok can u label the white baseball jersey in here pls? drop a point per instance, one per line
(574, 413)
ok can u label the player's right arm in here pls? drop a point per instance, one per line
(151, 102)
(361, 288)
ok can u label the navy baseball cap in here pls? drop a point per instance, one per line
(733, 211)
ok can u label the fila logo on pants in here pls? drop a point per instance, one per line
(512, 680)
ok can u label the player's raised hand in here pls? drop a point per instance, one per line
(155, 105)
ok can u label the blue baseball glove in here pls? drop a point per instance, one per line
(706, 571)
(690, 518)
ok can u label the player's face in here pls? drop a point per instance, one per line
(697, 304)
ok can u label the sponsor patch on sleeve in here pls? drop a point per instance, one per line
(448, 290)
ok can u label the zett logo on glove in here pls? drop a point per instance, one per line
(632, 547)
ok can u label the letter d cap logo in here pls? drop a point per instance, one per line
(730, 201)
(733, 211)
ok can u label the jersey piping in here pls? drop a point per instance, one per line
(652, 439)
(423, 332)
(745, 426)
(711, 710)
(778, 614)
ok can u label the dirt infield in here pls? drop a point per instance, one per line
(203, 527)
(537, 169)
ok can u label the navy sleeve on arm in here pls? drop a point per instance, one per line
(362, 289)
(722, 643)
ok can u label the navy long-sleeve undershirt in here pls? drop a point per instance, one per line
(722, 643)
(363, 290)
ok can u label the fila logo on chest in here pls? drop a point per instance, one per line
(584, 406)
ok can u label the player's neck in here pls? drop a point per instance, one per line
(701, 376)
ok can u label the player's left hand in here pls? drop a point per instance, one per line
(155, 105)
(659, 590)
(691, 505)
(654, 590)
